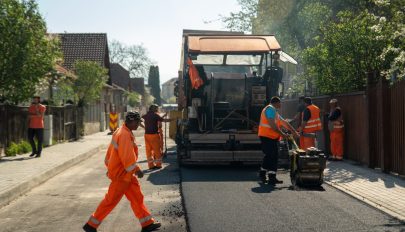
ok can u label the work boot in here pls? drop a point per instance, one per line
(32, 154)
(89, 228)
(262, 176)
(273, 180)
(38, 156)
(151, 227)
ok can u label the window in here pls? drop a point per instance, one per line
(243, 59)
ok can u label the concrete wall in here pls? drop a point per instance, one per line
(91, 128)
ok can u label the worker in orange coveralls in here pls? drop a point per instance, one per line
(311, 123)
(121, 158)
(152, 137)
(336, 128)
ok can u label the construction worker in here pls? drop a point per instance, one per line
(36, 113)
(152, 137)
(310, 124)
(121, 158)
(270, 133)
(336, 128)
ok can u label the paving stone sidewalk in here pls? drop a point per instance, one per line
(21, 173)
(383, 191)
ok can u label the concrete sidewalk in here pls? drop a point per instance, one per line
(383, 191)
(20, 174)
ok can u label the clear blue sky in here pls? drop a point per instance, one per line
(157, 24)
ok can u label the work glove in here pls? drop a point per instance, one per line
(139, 174)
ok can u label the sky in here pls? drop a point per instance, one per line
(157, 24)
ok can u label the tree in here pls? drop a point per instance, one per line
(91, 78)
(134, 58)
(154, 83)
(244, 19)
(134, 99)
(26, 52)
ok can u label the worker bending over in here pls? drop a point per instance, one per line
(121, 158)
(270, 133)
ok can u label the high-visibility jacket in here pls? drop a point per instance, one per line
(122, 155)
(314, 124)
(338, 124)
(265, 129)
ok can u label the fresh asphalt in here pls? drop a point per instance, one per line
(232, 199)
(65, 202)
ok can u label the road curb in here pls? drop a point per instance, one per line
(367, 201)
(15, 192)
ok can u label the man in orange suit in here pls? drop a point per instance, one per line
(121, 161)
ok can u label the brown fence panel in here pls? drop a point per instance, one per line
(397, 119)
(355, 110)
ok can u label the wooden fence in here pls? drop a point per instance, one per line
(14, 123)
(374, 124)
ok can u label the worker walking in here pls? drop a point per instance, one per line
(121, 158)
(336, 128)
(36, 113)
(311, 123)
(152, 137)
(270, 133)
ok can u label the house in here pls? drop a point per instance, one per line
(93, 47)
(168, 89)
(119, 76)
(138, 85)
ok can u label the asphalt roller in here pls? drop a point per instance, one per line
(306, 167)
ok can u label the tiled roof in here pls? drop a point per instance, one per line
(84, 46)
(119, 76)
(138, 85)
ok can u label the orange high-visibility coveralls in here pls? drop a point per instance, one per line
(153, 154)
(153, 139)
(120, 160)
(313, 125)
(337, 137)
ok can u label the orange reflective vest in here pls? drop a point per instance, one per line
(314, 124)
(265, 129)
(338, 124)
(122, 155)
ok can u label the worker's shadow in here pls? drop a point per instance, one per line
(168, 175)
(266, 188)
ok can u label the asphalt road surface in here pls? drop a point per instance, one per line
(65, 202)
(231, 199)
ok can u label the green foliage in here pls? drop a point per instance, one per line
(154, 83)
(12, 150)
(335, 42)
(24, 147)
(347, 51)
(134, 99)
(65, 92)
(26, 52)
(91, 78)
(244, 19)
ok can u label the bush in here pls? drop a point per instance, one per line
(24, 147)
(12, 150)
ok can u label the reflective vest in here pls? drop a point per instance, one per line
(314, 124)
(122, 155)
(338, 124)
(265, 129)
